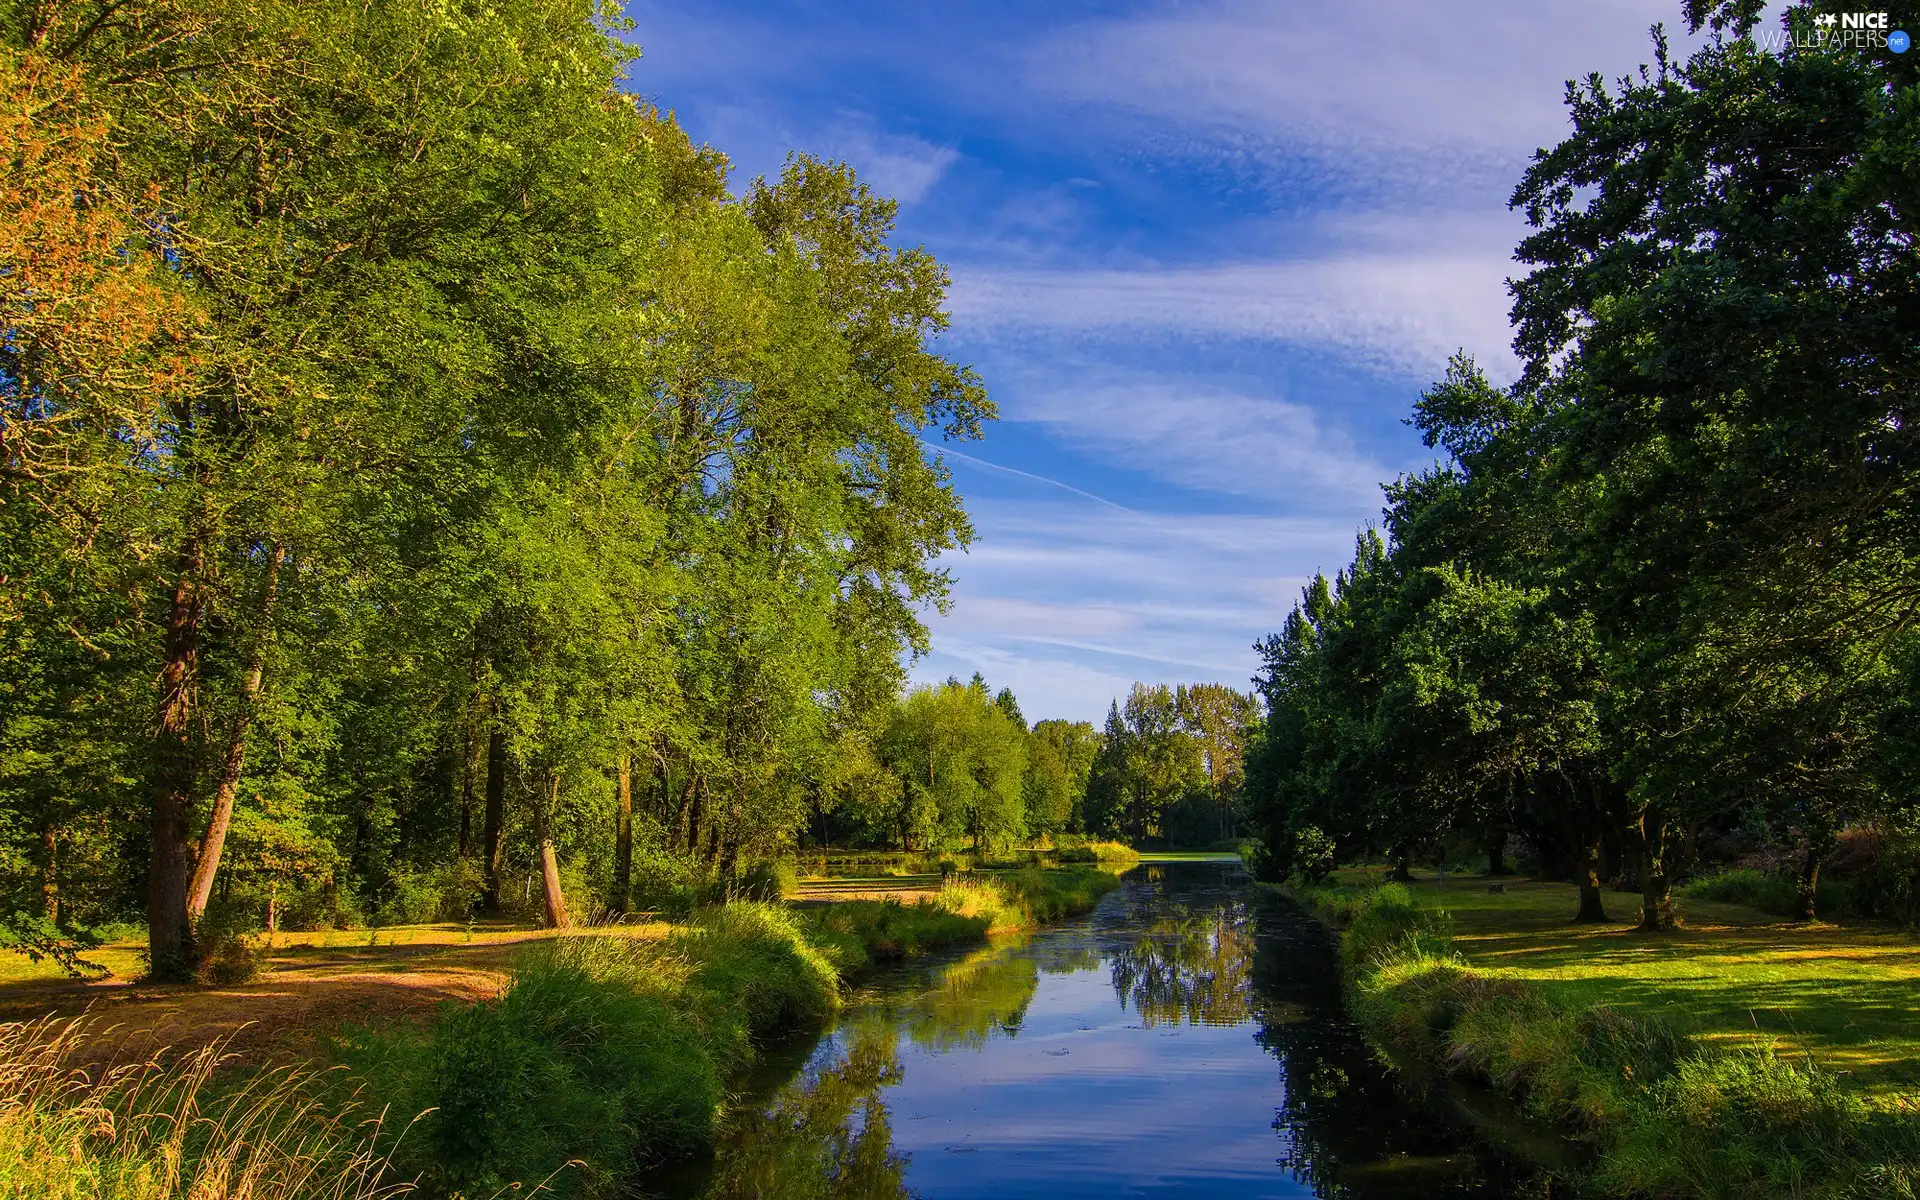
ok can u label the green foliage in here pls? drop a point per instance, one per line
(769, 879)
(227, 948)
(1665, 580)
(566, 1065)
(444, 892)
(605, 1050)
(753, 976)
(582, 462)
(959, 760)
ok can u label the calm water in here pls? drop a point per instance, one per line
(1184, 1040)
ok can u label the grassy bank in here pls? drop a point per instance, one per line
(614, 1053)
(1672, 1110)
(605, 1052)
(1842, 995)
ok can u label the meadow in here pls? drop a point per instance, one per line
(1736, 1055)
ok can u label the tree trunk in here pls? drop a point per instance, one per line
(50, 873)
(1656, 889)
(1588, 875)
(495, 817)
(623, 832)
(169, 927)
(467, 755)
(556, 900)
(214, 841)
(695, 811)
(1402, 866)
(1804, 906)
(1497, 853)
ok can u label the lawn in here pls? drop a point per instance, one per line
(1849, 995)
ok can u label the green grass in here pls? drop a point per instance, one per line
(1654, 1045)
(1846, 995)
(856, 933)
(157, 1130)
(608, 1052)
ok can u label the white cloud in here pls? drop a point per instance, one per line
(1209, 438)
(1070, 603)
(899, 165)
(1363, 77)
(1397, 312)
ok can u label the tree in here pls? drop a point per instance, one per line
(960, 762)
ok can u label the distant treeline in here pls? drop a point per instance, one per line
(956, 764)
(1661, 596)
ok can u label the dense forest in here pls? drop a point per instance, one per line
(1656, 608)
(426, 485)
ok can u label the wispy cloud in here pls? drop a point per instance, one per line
(1367, 78)
(982, 464)
(899, 165)
(1208, 438)
(1069, 603)
(1401, 313)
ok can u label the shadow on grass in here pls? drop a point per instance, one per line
(1847, 995)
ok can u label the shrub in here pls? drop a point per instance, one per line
(563, 1067)
(857, 932)
(605, 1050)
(1775, 892)
(446, 892)
(224, 948)
(768, 880)
(1311, 859)
(323, 906)
(672, 885)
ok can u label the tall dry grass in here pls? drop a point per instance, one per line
(167, 1129)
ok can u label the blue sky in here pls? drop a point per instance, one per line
(1205, 254)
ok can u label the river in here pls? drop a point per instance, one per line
(1186, 1039)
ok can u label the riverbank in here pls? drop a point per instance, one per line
(609, 1051)
(1625, 1040)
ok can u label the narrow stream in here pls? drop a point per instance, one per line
(1185, 1039)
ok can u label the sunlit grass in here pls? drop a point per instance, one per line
(1848, 995)
(125, 959)
(164, 1129)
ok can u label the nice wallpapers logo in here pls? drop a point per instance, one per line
(1842, 31)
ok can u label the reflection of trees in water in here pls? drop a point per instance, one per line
(1348, 1133)
(986, 991)
(1193, 969)
(828, 1135)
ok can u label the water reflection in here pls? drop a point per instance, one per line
(1194, 970)
(985, 993)
(1183, 1041)
(829, 1135)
